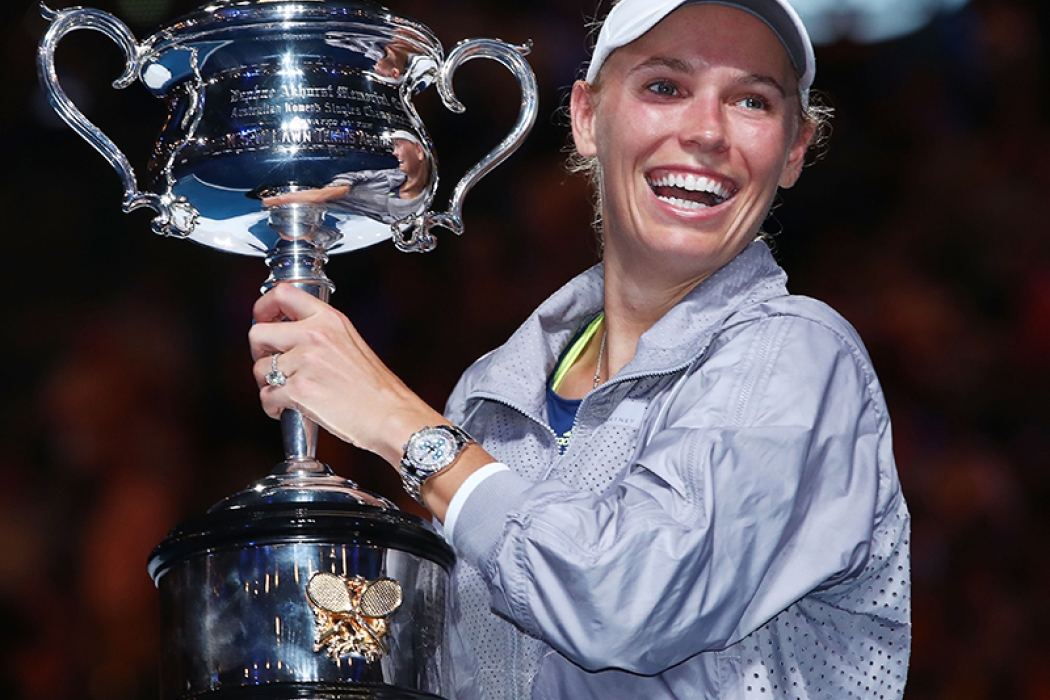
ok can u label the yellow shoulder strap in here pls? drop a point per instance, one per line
(574, 352)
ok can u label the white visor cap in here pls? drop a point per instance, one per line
(630, 19)
(402, 134)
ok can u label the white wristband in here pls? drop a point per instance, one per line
(463, 493)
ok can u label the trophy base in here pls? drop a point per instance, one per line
(303, 599)
(316, 691)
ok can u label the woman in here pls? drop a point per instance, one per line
(388, 195)
(723, 519)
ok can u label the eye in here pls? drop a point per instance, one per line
(753, 102)
(664, 88)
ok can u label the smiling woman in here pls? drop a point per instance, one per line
(709, 97)
(812, 116)
(676, 479)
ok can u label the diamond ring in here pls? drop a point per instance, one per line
(275, 377)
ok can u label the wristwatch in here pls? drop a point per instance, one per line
(428, 452)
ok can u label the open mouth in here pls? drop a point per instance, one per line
(690, 191)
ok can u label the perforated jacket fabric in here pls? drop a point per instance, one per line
(727, 521)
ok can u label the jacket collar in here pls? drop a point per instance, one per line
(517, 371)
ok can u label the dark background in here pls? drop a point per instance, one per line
(128, 402)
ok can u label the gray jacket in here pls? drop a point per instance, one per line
(727, 521)
(374, 193)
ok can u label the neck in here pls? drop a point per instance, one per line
(634, 301)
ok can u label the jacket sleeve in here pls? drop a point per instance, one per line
(760, 485)
(350, 178)
(391, 176)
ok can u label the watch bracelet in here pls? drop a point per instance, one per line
(411, 479)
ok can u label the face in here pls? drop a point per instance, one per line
(395, 56)
(695, 125)
(410, 158)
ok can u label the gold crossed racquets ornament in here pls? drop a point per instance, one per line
(350, 614)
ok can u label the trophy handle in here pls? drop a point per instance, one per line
(511, 57)
(175, 216)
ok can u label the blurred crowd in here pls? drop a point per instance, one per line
(128, 404)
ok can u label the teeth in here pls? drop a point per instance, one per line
(683, 203)
(692, 183)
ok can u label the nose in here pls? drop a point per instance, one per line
(704, 124)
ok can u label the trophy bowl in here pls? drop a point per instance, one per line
(291, 135)
(283, 102)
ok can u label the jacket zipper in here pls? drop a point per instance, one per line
(575, 422)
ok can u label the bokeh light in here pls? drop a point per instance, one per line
(868, 21)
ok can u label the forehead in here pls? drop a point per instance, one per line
(713, 34)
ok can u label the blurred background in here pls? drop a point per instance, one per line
(127, 399)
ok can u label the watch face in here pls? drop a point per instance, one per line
(432, 449)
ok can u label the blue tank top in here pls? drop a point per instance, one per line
(561, 412)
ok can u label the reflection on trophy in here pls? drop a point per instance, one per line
(388, 195)
(291, 135)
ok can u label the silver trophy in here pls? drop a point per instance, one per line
(291, 135)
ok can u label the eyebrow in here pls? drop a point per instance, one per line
(675, 64)
(679, 66)
(760, 79)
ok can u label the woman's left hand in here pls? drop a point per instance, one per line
(332, 376)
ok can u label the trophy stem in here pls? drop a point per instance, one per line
(299, 258)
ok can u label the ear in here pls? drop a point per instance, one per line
(797, 154)
(581, 111)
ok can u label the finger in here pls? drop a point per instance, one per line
(315, 332)
(274, 401)
(285, 301)
(273, 398)
(260, 369)
(265, 339)
(265, 364)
